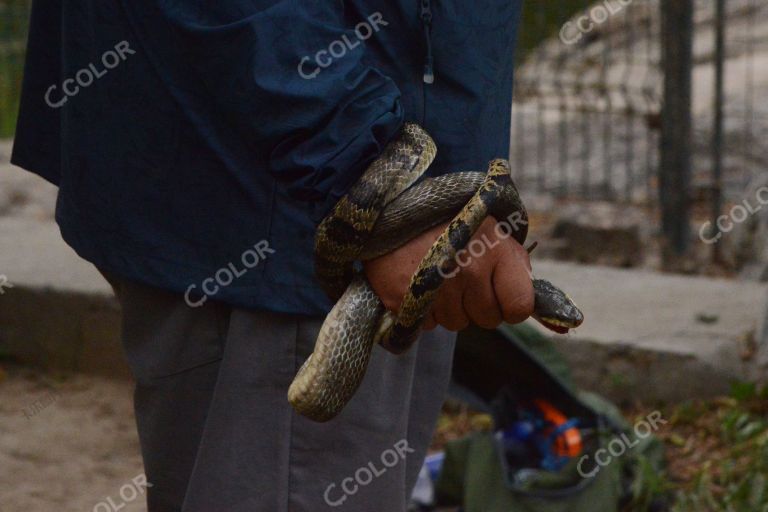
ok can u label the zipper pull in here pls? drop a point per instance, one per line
(429, 71)
(426, 20)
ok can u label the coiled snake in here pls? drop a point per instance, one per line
(380, 213)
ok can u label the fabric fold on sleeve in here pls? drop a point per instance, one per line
(292, 81)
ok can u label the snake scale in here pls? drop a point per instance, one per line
(381, 212)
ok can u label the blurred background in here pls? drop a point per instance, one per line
(638, 141)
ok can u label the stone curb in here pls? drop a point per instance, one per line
(644, 337)
(62, 331)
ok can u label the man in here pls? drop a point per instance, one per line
(196, 146)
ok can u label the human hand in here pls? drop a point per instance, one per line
(486, 290)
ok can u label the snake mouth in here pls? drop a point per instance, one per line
(557, 325)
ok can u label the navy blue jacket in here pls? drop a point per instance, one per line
(197, 144)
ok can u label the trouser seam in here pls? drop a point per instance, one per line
(289, 476)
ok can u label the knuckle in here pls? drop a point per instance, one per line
(483, 313)
(458, 325)
(488, 323)
(478, 269)
(519, 308)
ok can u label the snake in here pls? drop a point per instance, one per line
(382, 211)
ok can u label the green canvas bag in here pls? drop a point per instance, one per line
(475, 474)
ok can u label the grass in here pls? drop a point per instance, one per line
(542, 20)
(13, 33)
(718, 453)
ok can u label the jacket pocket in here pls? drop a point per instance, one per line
(163, 336)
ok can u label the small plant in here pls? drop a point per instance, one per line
(13, 33)
(721, 465)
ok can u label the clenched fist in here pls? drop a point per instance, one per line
(486, 290)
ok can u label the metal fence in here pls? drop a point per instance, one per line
(589, 93)
(587, 103)
(588, 100)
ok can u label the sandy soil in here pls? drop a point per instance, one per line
(67, 444)
(23, 194)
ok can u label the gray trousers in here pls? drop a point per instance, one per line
(218, 435)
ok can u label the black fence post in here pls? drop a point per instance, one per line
(675, 168)
(717, 138)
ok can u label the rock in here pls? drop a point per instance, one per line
(599, 233)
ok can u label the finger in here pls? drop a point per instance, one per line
(480, 302)
(449, 308)
(512, 283)
(429, 322)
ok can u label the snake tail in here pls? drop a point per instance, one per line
(331, 375)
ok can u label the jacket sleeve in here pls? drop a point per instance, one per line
(258, 59)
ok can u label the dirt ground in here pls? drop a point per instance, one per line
(67, 444)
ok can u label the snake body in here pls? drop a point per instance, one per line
(381, 212)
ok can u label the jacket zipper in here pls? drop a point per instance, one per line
(426, 21)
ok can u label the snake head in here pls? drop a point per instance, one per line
(554, 309)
